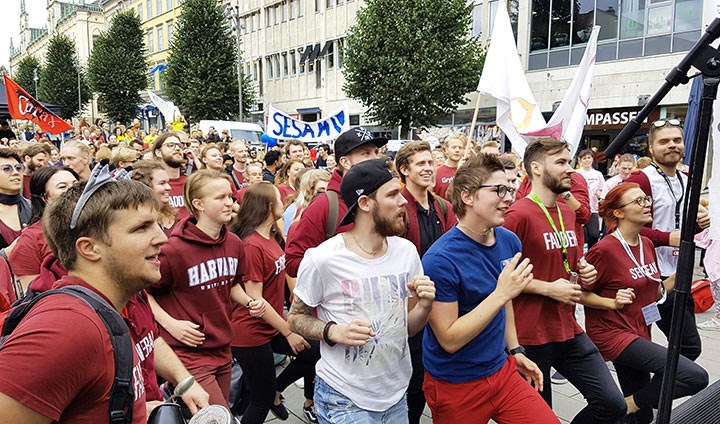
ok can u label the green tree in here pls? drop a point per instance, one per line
(24, 75)
(117, 67)
(412, 61)
(202, 76)
(61, 77)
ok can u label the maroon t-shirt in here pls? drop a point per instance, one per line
(59, 362)
(26, 186)
(177, 190)
(264, 262)
(29, 251)
(443, 177)
(613, 331)
(540, 319)
(143, 331)
(285, 191)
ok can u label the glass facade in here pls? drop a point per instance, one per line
(559, 29)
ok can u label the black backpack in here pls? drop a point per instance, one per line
(121, 394)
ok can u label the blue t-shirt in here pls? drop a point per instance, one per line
(466, 272)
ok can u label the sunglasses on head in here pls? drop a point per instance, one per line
(8, 169)
(662, 122)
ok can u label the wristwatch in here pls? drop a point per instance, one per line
(517, 350)
(566, 196)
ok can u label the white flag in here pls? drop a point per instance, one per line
(166, 107)
(503, 77)
(568, 120)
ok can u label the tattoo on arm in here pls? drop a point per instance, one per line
(303, 322)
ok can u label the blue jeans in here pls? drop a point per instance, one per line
(334, 408)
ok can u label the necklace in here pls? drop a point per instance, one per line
(368, 252)
(484, 232)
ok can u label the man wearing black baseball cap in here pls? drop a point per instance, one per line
(321, 219)
(369, 291)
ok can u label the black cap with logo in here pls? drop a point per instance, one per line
(354, 138)
(362, 179)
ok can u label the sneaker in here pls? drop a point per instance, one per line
(310, 414)
(713, 324)
(558, 378)
(280, 411)
(300, 383)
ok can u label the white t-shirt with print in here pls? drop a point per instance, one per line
(344, 286)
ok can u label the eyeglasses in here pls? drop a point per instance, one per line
(662, 122)
(8, 169)
(640, 201)
(500, 189)
(174, 145)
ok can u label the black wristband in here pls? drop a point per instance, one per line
(326, 333)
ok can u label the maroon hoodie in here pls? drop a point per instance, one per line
(197, 275)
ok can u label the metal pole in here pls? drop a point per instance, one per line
(239, 60)
(35, 78)
(79, 93)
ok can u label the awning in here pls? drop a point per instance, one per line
(308, 110)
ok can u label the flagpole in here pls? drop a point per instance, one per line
(475, 115)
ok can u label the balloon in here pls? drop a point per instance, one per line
(271, 142)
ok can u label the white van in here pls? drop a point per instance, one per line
(238, 130)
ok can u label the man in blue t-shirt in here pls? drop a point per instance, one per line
(470, 349)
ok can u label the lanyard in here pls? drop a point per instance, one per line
(629, 252)
(672, 192)
(563, 238)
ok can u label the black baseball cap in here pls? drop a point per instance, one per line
(354, 138)
(362, 179)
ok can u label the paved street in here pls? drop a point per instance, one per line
(567, 400)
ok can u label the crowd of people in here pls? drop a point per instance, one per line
(444, 276)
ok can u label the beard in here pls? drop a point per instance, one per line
(171, 161)
(556, 185)
(385, 227)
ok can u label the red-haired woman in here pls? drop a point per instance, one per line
(622, 305)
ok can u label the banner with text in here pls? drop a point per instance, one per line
(282, 126)
(21, 105)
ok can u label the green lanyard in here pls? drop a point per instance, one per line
(562, 238)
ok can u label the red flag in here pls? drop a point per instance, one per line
(21, 105)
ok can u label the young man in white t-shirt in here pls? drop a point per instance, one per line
(368, 289)
(595, 182)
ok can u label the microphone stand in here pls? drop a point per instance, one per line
(706, 59)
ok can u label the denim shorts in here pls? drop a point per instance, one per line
(334, 408)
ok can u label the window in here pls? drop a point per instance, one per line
(255, 71)
(301, 8)
(310, 66)
(318, 74)
(160, 43)
(270, 67)
(278, 14)
(293, 63)
(318, 5)
(285, 64)
(340, 1)
(341, 51)
(286, 11)
(139, 11)
(276, 61)
(150, 44)
(477, 19)
(331, 56)
(301, 65)
(170, 28)
(330, 3)
(688, 15)
(632, 19)
(169, 5)
(293, 9)
(158, 7)
(268, 16)
(149, 9)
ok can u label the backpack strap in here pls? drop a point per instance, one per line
(121, 394)
(235, 179)
(333, 211)
(443, 206)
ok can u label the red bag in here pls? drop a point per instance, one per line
(702, 295)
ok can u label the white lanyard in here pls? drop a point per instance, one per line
(629, 252)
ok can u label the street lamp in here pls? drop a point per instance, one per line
(233, 16)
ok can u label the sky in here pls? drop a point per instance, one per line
(10, 23)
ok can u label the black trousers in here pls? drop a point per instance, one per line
(690, 343)
(643, 357)
(415, 394)
(579, 360)
(258, 367)
(592, 230)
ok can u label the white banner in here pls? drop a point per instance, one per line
(517, 112)
(714, 183)
(166, 107)
(283, 126)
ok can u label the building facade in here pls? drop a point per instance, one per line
(82, 22)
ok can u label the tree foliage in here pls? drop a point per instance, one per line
(412, 61)
(61, 75)
(117, 68)
(24, 75)
(202, 76)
